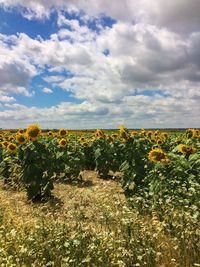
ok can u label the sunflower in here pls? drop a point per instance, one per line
(159, 142)
(109, 138)
(12, 148)
(62, 142)
(20, 138)
(33, 131)
(82, 139)
(165, 135)
(99, 134)
(157, 155)
(114, 136)
(187, 150)
(20, 131)
(85, 144)
(149, 134)
(5, 143)
(50, 133)
(62, 132)
(156, 133)
(123, 133)
(195, 133)
(133, 133)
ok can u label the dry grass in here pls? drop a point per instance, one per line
(91, 196)
(100, 207)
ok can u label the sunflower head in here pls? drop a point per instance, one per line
(20, 131)
(20, 138)
(157, 155)
(62, 132)
(187, 150)
(50, 133)
(195, 133)
(12, 148)
(85, 144)
(62, 142)
(149, 134)
(5, 143)
(114, 136)
(123, 133)
(133, 133)
(82, 139)
(99, 134)
(165, 135)
(159, 142)
(33, 131)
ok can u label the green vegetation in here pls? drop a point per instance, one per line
(105, 199)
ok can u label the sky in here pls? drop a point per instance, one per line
(89, 64)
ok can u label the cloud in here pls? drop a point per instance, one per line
(16, 69)
(179, 15)
(54, 78)
(153, 47)
(151, 111)
(47, 90)
(6, 99)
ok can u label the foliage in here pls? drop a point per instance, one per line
(36, 170)
(160, 176)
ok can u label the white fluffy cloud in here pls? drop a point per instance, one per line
(6, 99)
(47, 90)
(142, 71)
(177, 15)
(16, 69)
(151, 111)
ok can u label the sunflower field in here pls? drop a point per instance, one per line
(158, 171)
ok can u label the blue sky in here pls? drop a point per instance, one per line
(99, 65)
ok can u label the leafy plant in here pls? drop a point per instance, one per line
(37, 173)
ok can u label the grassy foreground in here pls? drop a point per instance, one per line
(90, 224)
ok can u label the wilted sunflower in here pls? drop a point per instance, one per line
(187, 150)
(62, 142)
(12, 148)
(20, 138)
(33, 131)
(157, 155)
(62, 132)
